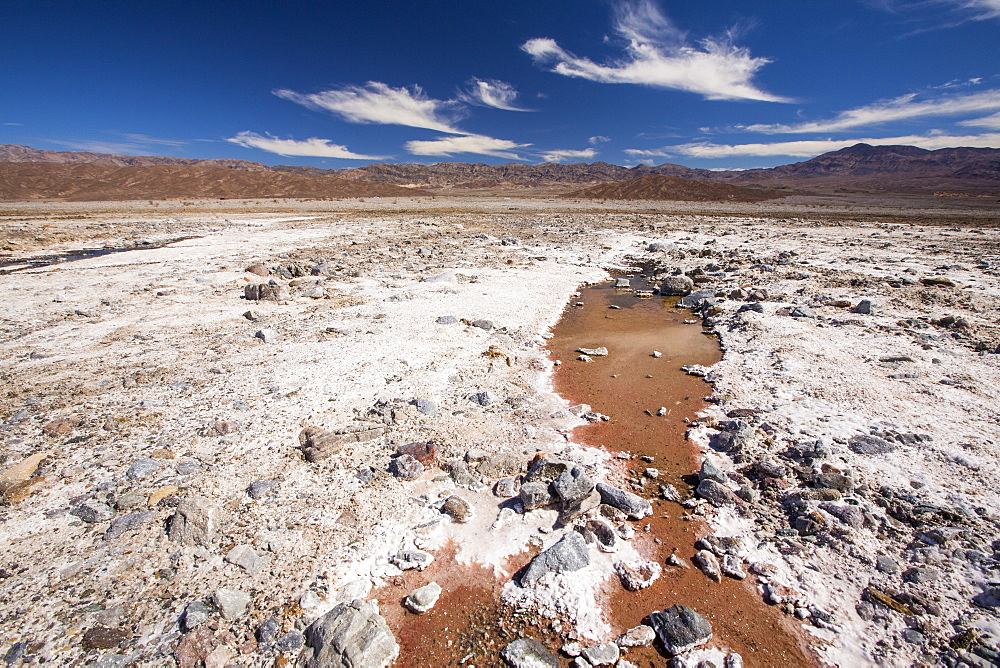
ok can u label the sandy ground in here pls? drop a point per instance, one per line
(139, 381)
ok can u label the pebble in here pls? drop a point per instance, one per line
(128, 523)
(231, 603)
(421, 600)
(636, 575)
(446, 320)
(410, 559)
(528, 653)
(709, 564)
(246, 558)
(195, 613)
(637, 636)
(261, 488)
(457, 508)
(142, 468)
(631, 504)
(406, 467)
(602, 655)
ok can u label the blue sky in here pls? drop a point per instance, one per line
(714, 83)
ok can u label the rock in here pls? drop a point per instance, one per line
(93, 512)
(637, 636)
(410, 559)
(753, 307)
(631, 504)
(696, 298)
(127, 523)
(483, 398)
(267, 292)
(864, 307)
(574, 511)
(510, 241)
(142, 468)
(290, 642)
(718, 545)
(460, 474)
(195, 522)
(258, 269)
(457, 508)
(231, 603)
(919, 575)
(424, 452)
(569, 554)
(318, 444)
(585, 358)
(352, 635)
(505, 488)
(426, 406)
(852, 516)
(446, 320)
(678, 561)
(195, 613)
(544, 469)
(602, 655)
(636, 575)
(266, 335)
(188, 467)
(246, 558)
(224, 428)
(604, 536)
(483, 324)
(708, 564)
(733, 660)
(102, 637)
(423, 599)
(937, 280)
(732, 567)
(657, 354)
(20, 472)
(528, 653)
(717, 494)
(669, 493)
(58, 427)
(593, 352)
(406, 467)
(710, 471)
(696, 370)
(573, 485)
(535, 495)
(679, 285)
(736, 435)
(866, 444)
(680, 628)
(261, 488)
(886, 564)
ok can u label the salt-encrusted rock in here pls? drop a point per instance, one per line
(426, 406)
(195, 613)
(545, 469)
(602, 655)
(573, 485)
(246, 558)
(709, 564)
(736, 435)
(678, 285)
(710, 471)
(680, 628)
(195, 522)
(457, 508)
(267, 633)
(631, 504)
(290, 642)
(528, 653)
(267, 292)
(569, 554)
(406, 467)
(352, 635)
(720, 546)
(696, 370)
(505, 488)
(636, 575)
(637, 636)
(677, 560)
(446, 320)
(410, 559)
(919, 575)
(423, 599)
(231, 603)
(258, 489)
(732, 567)
(129, 522)
(866, 444)
(733, 660)
(594, 352)
(717, 494)
(602, 533)
(669, 493)
(535, 495)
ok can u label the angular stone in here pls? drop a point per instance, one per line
(535, 495)
(636, 575)
(602, 655)
(544, 469)
(423, 599)
(21, 471)
(102, 637)
(680, 628)
(93, 512)
(195, 522)
(483, 398)
(261, 488)
(637, 636)
(424, 452)
(866, 444)
(446, 320)
(426, 406)
(246, 558)
(573, 485)
(735, 436)
(290, 642)
(505, 488)
(318, 444)
(593, 352)
(231, 603)
(710, 471)
(127, 523)
(709, 564)
(631, 504)
(717, 494)
(406, 467)
(410, 559)
(604, 535)
(195, 613)
(457, 508)
(266, 292)
(352, 635)
(528, 653)
(569, 554)
(142, 468)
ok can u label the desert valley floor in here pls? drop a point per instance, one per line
(270, 433)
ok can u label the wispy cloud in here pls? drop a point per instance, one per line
(132, 144)
(490, 93)
(12, 123)
(478, 144)
(809, 148)
(598, 139)
(566, 154)
(376, 102)
(944, 13)
(901, 108)
(992, 122)
(658, 54)
(312, 147)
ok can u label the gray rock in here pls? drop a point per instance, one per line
(246, 558)
(866, 444)
(426, 406)
(736, 435)
(545, 470)
(460, 474)
(535, 495)
(290, 642)
(195, 522)
(130, 500)
(127, 523)
(636, 575)
(142, 468)
(267, 292)
(446, 320)
(696, 298)
(410, 559)
(505, 488)
(678, 285)
(318, 444)
(189, 467)
(528, 653)
(710, 471)
(457, 508)
(266, 335)
(573, 485)
(886, 564)
(919, 575)
(261, 488)
(593, 352)
(406, 467)
(631, 504)
(709, 564)
(483, 324)
(732, 567)
(510, 241)
(423, 599)
(680, 628)
(231, 603)
(569, 554)
(733, 660)
(852, 516)
(195, 613)
(717, 494)
(755, 307)
(267, 632)
(637, 636)
(864, 307)
(93, 512)
(352, 635)
(602, 655)
(483, 398)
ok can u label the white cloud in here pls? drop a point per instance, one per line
(810, 148)
(598, 139)
(479, 144)
(490, 93)
(901, 108)
(312, 147)
(992, 122)
(657, 54)
(375, 102)
(567, 154)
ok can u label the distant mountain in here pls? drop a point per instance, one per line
(93, 182)
(17, 153)
(662, 187)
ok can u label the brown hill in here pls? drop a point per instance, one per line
(659, 186)
(18, 153)
(89, 182)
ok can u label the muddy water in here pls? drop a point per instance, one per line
(624, 385)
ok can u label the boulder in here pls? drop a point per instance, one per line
(535, 495)
(631, 504)
(573, 485)
(679, 285)
(352, 635)
(680, 628)
(569, 554)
